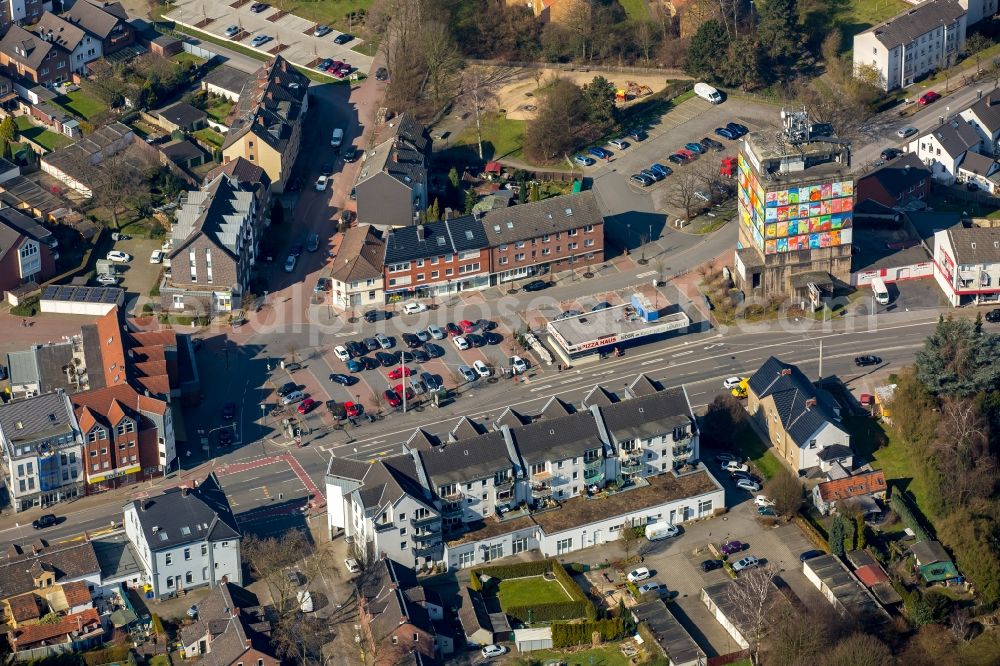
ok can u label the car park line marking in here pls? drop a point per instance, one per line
(646, 274)
(684, 353)
(541, 388)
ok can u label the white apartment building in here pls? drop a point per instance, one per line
(42, 450)
(915, 42)
(944, 147)
(558, 481)
(984, 116)
(977, 10)
(967, 265)
(185, 538)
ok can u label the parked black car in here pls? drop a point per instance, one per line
(377, 315)
(355, 348)
(475, 340)
(343, 380)
(421, 356)
(809, 554)
(485, 325)
(862, 361)
(536, 285)
(411, 340)
(707, 143)
(993, 316)
(891, 153)
(385, 359)
(48, 520)
(433, 350)
(287, 388)
(491, 338)
(711, 565)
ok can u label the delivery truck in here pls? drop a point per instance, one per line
(656, 531)
(708, 93)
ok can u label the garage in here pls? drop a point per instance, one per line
(93, 301)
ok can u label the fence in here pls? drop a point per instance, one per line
(596, 67)
(197, 50)
(958, 191)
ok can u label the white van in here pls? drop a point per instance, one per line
(880, 290)
(337, 138)
(657, 531)
(707, 93)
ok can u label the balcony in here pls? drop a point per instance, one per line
(596, 463)
(452, 510)
(540, 490)
(426, 536)
(451, 495)
(383, 527)
(680, 451)
(506, 483)
(593, 475)
(424, 551)
(424, 520)
(631, 465)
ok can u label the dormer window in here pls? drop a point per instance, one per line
(126, 425)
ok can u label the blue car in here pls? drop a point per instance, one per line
(354, 366)
(725, 133)
(737, 129)
(599, 153)
(583, 160)
(661, 170)
(649, 173)
(695, 148)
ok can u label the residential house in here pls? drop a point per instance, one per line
(20, 12)
(42, 451)
(250, 176)
(917, 41)
(82, 47)
(124, 432)
(544, 236)
(232, 628)
(859, 490)
(71, 633)
(984, 116)
(436, 258)
(979, 171)
(967, 264)
(266, 122)
(391, 188)
(897, 183)
(31, 57)
(39, 578)
(185, 538)
(214, 247)
(977, 10)
(74, 164)
(932, 562)
(184, 153)
(27, 250)
(799, 420)
(527, 484)
(944, 147)
(398, 615)
(182, 116)
(106, 21)
(357, 271)
(483, 622)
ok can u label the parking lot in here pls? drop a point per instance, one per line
(291, 36)
(689, 121)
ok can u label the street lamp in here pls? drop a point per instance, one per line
(628, 235)
(263, 420)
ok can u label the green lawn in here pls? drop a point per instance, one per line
(331, 12)
(871, 12)
(636, 10)
(606, 656)
(218, 108)
(184, 56)
(747, 443)
(82, 104)
(48, 140)
(533, 589)
(209, 135)
(501, 138)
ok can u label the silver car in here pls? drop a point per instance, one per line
(905, 131)
(435, 332)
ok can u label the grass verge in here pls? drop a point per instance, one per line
(46, 139)
(605, 656)
(81, 104)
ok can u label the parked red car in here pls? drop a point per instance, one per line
(353, 409)
(398, 388)
(928, 97)
(400, 372)
(466, 326)
(306, 406)
(686, 153)
(393, 399)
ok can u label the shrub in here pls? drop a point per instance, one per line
(901, 505)
(568, 634)
(147, 308)
(29, 308)
(579, 606)
(154, 291)
(109, 655)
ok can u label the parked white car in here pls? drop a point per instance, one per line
(305, 599)
(119, 257)
(746, 563)
(460, 342)
(491, 651)
(763, 500)
(731, 383)
(748, 485)
(652, 586)
(414, 308)
(107, 280)
(156, 257)
(735, 466)
(481, 368)
(642, 573)
(321, 183)
(435, 332)
(518, 365)
(293, 397)
(340, 351)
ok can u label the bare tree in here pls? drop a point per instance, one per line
(270, 560)
(645, 38)
(117, 181)
(630, 539)
(975, 45)
(685, 183)
(858, 650)
(579, 19)
(299, 638)
(752, 595)
(786, 491)
(479, 87)
(440, 55)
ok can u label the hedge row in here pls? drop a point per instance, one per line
(901, 505)
(550, 612)
(565, 634)
(519, 570)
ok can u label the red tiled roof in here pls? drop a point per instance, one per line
(25, 637)
(109, 333)
(871, 575)
(111, 399)
(156, 385)
(853, 486)
(76, 593)
(25, 607)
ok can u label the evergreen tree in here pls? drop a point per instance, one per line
(705, 52)
(470, 201)
(433, 211)
(959, 359)
(522, 191)
(599, 96)
(777, 30)
(8, 154)
(8, 129)
(837, 535)
(536, 192)
(453, 177)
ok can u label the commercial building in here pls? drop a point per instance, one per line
(545, 236)
(562, 480)
(795, 209)
(391, 188)
(917, 41)
(357, 271)
(436, 259)
(967, 265)
(185, 538)
(265, 125)
(42, 451)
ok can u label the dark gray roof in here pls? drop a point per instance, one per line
(26, 47)
(475, 458)
(791, 391)
(44, 415)
(179, 516)
(346, 468)
(676, 642)
(270, 104)
(401, 153)
(643, 385)
(433, 239)
(929, 552)
(181, 151)
(466, 428)
(647, 416)
(532, 220)
(24, 224)
(900, 174)
(234, 620)
(472, 612)
(975, 245)
(956, 136)
(511, 418)
(227, 78)
(557, 438)
(556, 407)
(987, 111)
(71, 561)
(388, 480)
(908, 25)
(978, 164)
(95, 18)
(42, 364)
(183, 114)
(835, 452)
(599, 396)
(57, 30)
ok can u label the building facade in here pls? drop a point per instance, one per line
(795, 208)
(967, 265)
(391, 189)
(546, 236)
(436, 259)
(20, 12)
(81, 45)
(30, 56)
(185, 538)
(42, 451)
(357, 273)
(984, 116)
(27, 250)
(105, 21)
(943, 149)
(915, 42)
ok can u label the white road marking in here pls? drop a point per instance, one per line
(646, 274)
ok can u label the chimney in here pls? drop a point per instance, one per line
(402, 620)
(785, 372)
(420, 232)
(810, 403)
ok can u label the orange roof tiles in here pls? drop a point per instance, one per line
(109, 401)
(25, 607)
(871, 575)
(853, 486)
(24, 637)
(76, 593)
(109, 332)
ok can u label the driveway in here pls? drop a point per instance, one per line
(291, 36)
(138, 276)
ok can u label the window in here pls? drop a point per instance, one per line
(402, 545)
(588, 228)
(396, 268)
(589, 242)
(519, 256)
(502, 248)
(204, 549)
(402, 531)
(519, 244)
(188, 577)
(573, 232)
(545, 238)
(434, 275)
(573, 246)
(420, 263)
(168, 558)
(420, 277)
(178, 301)
(546, 251)
(187, 554)
(503, 260)
(469, 268)
(208, 263)
(812, 443)
(564, 546)
(449, 271)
